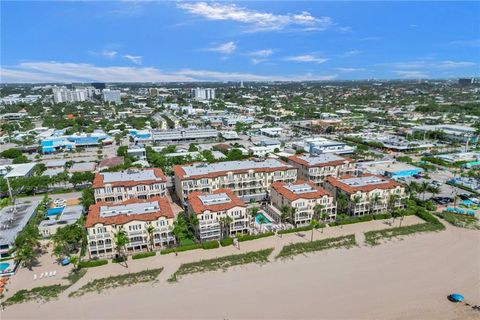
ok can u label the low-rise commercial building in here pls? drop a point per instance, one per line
(366, 194)
(451, 131)
(307, 200)
(218, 212)
(148, 224)
(129, 184)
(249, 179)
(391, 169)
(317, 167)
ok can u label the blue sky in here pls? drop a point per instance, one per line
(284, 40)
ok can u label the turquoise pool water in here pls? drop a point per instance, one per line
(4, 266)
(260, 217)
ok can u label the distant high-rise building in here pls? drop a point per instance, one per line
(241, 84)
(99, 85)
(203, 94)
(465, 81)
(62, 94)
(111, 96)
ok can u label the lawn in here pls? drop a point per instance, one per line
(222, 263)
(294, 249)
(128, 279)
(460, 220)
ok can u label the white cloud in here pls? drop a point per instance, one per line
(306, 58)
(110, 54)
(411, 74)
(465, 43)
(433, 64)
(134, 59)
(262, 53)
(51, 71)
(346, 69)
(224, 48)
(351, 53)
(256, 20)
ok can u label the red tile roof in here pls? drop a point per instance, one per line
(318, 192)
(335, 163)
(198, 207)
(94, 217)
(98, 180)
(111, 162)
(336, 182)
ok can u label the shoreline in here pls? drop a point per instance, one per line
(340, 283)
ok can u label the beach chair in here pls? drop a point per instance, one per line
(35, 276)
(51, 274)
(54, 272)
(41, 275)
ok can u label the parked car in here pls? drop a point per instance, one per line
(59, 202)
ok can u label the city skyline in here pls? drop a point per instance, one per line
(149, 41)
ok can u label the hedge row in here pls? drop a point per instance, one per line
(143, 255)
(182, 248)
(226, 242)
(351, 221)
(299, 229)
(248, 237)
(92, 263)
(382, 216)
(210, 245)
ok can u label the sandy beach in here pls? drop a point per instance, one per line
(401, 279)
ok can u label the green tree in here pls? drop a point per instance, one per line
(314, 224)
(121, 240)
(150, 229)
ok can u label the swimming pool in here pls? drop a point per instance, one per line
(55, 211)
(4, 266)
(261, 218)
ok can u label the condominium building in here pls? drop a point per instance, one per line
(148, 224)
(317, 167)
(62, 94)
(318, 145)
(366, 194)
(203, 94)
(307, 200)
(249, 179)
(129, 184)
(211, 211)
(113, 96)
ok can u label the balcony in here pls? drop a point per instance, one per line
(99, 236)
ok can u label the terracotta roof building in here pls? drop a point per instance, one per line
(129, 184)
(248, 179)
(367, 194)
(133, 216)
(317, 167)
(210, 208)
(307, 200)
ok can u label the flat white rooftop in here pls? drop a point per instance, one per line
(201, 169)
(129, 175)
(212, 199)
(320, 158)
(129, 209)
(300, 188)
(363, 181)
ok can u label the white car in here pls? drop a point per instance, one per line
(59, 202)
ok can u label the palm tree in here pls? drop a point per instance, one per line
(253, 213)
(284, 213)
(314, 224)
(356, 201)
(318, 210)
(392, 199)
(121, 240)
(293, 211)
(424, 187)
(373, 203)
(324, 216)
(150, 229)
(225, 226)
(74, 261)
(412, 189)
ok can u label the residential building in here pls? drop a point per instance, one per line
(113, 96)
(128, 184)
(211, 209)
(366, 194)
(317, 145)
(316, 167)
(203, 94)
(305, 198)
(62, 94)
(134, 217)
(271, 132)
(249, 179)
(69, 215)
(21, 170)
